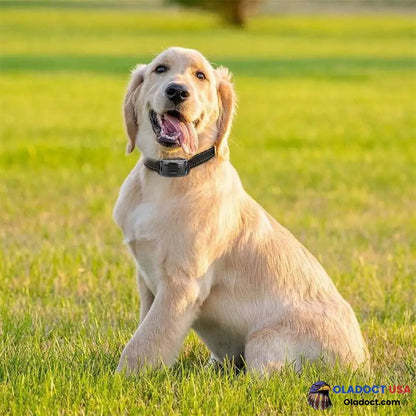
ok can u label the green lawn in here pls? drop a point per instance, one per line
(327, 105)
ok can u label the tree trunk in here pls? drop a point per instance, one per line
(235, 13)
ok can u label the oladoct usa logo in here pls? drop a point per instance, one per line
(379, 395)
(318, 396)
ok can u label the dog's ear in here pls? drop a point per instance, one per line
(227, 104)
(130, 116)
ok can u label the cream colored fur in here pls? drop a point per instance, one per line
(208, 256)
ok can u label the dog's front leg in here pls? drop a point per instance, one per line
(160, 335)
(146, 297)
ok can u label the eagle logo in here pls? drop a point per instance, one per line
(318, 396)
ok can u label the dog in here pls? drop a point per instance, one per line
(208, 256)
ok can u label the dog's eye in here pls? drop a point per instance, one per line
(200, 75)
(161, 68)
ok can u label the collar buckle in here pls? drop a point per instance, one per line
(173, 168)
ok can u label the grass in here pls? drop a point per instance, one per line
(324, 139)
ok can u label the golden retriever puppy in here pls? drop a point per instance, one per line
(208, 256)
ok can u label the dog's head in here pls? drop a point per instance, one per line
(178, 104)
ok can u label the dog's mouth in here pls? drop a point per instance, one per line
(172, 130)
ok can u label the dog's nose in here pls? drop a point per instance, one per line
(177, 93)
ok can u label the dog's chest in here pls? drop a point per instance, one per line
(143, 236)
(144, 253)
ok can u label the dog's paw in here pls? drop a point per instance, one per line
(126, 366)
(130, 362)
(137, 358)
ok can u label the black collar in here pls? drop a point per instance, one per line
(175, 168)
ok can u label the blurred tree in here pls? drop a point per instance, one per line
(235, 12)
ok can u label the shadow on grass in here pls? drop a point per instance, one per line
(326, 67)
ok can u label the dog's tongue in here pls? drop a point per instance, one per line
(184, 132)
